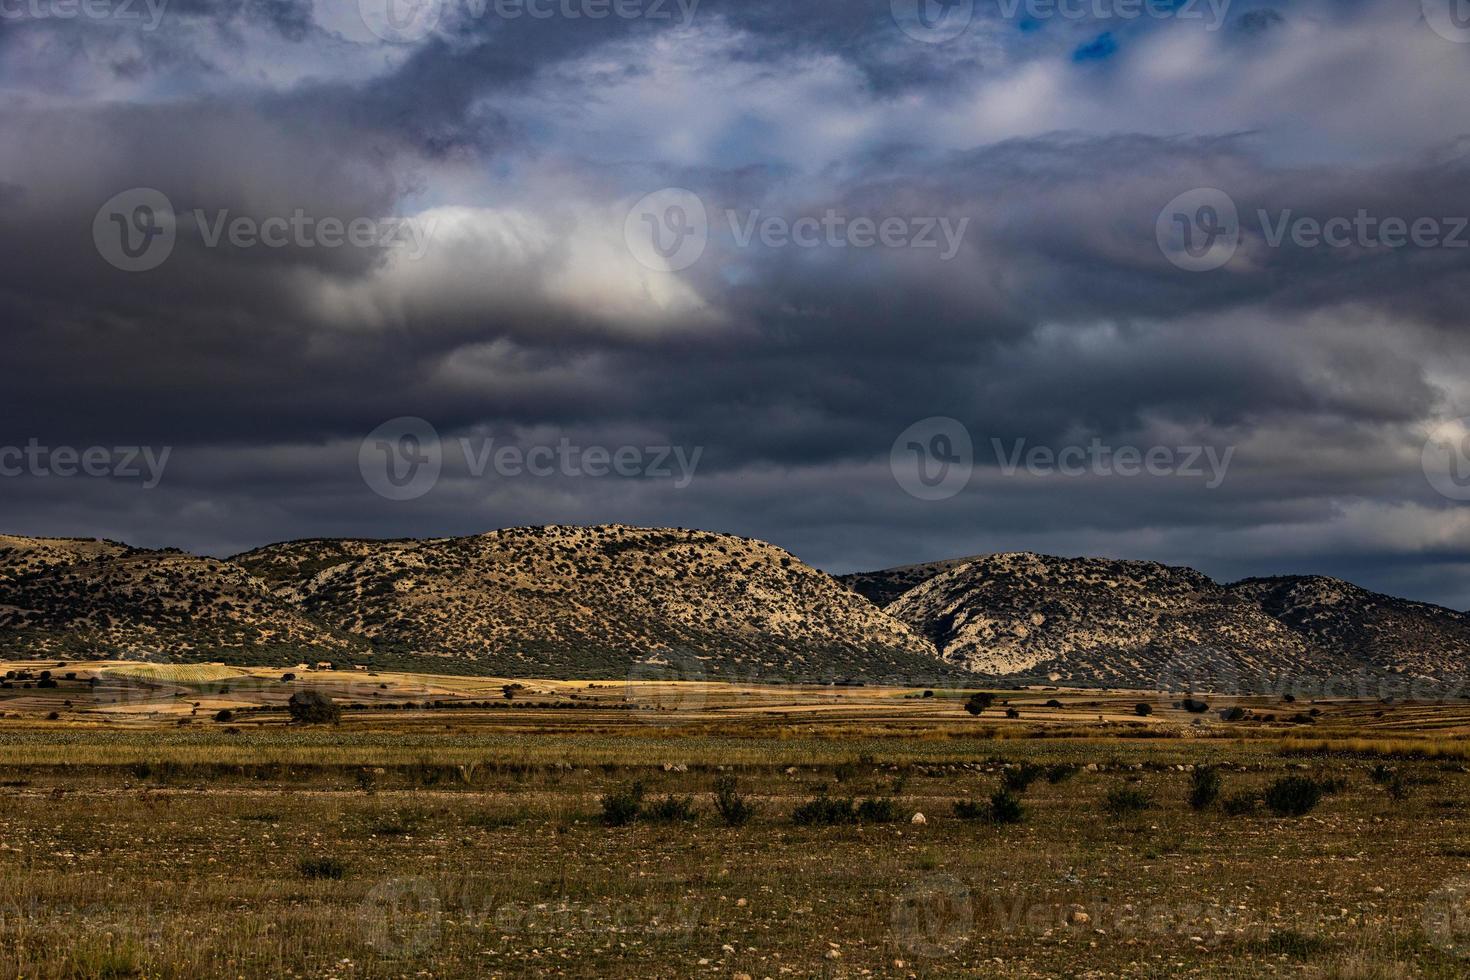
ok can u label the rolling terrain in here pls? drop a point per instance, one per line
(1148, 625)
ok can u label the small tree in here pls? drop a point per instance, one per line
(313, 708)
(1143, 709)
(979, 702)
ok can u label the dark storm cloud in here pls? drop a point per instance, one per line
(1058, 320)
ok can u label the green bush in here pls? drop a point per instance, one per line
(1127, 799)
(1143, 709)
(732, 807)
(1005, 807)
(1240, 804)
(1204, 787)
(671, 809)
(313, 708)
(622, 807)
(879, 810)
(1293, 796)
(1019, 780)
(971, 810)
(1061, 771)
(824, 811)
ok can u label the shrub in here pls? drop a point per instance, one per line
(1127, 799)
(879, 810)
(1232, 713)
(224, 714)
(1293, 796)
(287, 678)
(1061, 771)
(322, 867)
(1398, 789)
(971, 810)
(1019, 780)
(1195, 706)
(313, 708)
(1382, 775)
(1204, 787)
(670, 809)
(732, 807)
(1012, 713)
(1005, 807)
(979, 702)
(824, 811)
(622, 807)
(1240, 804)
(1142, 709)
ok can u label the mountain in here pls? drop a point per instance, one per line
(592, 601)
(1383, 633)
(92, 599)
(884, 586)
(20, 557)
(1135, 623)
(1096, 621)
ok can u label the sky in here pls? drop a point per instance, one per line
(880, 282)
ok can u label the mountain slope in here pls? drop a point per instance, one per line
(886, 585)
(109, 600)
(1097, 621)
(594, 600)
(1380, 632)
(24, 556)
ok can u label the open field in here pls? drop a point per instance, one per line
(469, 837)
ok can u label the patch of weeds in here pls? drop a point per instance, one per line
(1289, 942)
(734, 809)
(1019, 780)
(1127, 799)
(879, 810)
(1204, 787)
(1240, 804)
(1293, 796)
(1061, 772)
(824, 811)
(670, 809)
(322, 868)
(622, 807)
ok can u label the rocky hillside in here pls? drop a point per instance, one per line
(1098, 621)
(1383, 633)
(1092, 620)
(95, 599)
(882, 587)
(20, 557)
(593, 601)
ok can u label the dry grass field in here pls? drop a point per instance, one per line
(453, 827)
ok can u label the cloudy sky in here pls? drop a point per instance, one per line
(879, 282)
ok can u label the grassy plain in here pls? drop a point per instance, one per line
(464, 834)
